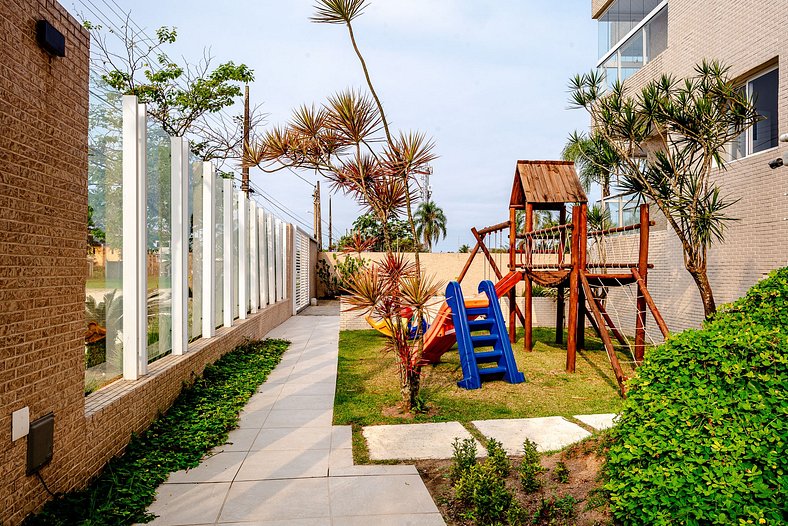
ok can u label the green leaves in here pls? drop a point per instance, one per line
(338, 11)
(703, 437)
(199, 419)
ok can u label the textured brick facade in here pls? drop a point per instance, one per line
(747, 36)
(43, 218)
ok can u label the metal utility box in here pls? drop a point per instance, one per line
(39, 443)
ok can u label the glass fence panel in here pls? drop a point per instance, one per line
(104, 285)
(235, 259)
(218, 290)
(159, 241)
(195, 257)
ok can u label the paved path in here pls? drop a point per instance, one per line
(287, 465)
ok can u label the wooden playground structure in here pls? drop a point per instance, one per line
(558, 257)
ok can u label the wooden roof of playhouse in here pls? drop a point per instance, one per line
(546, 183)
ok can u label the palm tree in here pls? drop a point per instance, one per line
(430, 223)
(595, 159)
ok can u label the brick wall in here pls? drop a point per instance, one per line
(43, 213)
(43, 218)
(746, 36)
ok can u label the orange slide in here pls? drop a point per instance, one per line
(440, 337)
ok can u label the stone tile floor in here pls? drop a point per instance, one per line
(287, 464)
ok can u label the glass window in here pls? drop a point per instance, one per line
(195, 249)
(651, 39)
(104, 285)
(631, 56)
(159, 254)
(763, 90)
(657, 34)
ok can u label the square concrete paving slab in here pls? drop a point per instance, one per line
(180, 504)
(285, 438)
(341, 437)
(307, 389)
(339, 459)
(299, 418)
(385, 495)
(290, 464)
(549, 433)
(270, 500)
(423, 519)
(373, 470)
(262, 401)
(599, 422)
(325, 401)
(220, 467)
(324, 521)
(239, 440)
(253, 419)
(414, 441)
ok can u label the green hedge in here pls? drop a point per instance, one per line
(198, 420)
(702, 436)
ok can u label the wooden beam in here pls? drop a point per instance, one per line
(663, 327)
(611, 351)
(640, 321)
(574, 296)
(496, 270)
(468, 263)
(528, 344)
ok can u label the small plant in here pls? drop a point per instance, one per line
(497, 459)
(555, 511)
(484, 491)
(561, 473)
(463, 458)
(530, 468)
(347, 267)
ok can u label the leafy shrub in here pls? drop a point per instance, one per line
(561, 473)
(530, 467)
(346, 267)
(556, 511)
(463, 458)
(484, 491)
(497, 459)
(702, 436)
(197, 421)
(327, 278)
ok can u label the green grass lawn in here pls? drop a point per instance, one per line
(368, 383)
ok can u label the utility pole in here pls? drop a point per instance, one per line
(330, 227)
(426, 189)
(318, 230)
(245, 169)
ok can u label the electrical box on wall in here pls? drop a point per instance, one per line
(39, 443)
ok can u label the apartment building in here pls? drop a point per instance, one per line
(639, 40)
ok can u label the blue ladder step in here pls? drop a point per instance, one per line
(487, 356)
(484, 340)
(477, 325)
(492, 370)
(476, 312)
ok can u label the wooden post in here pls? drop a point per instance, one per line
(468, 263)
(640, 321)
(528, 343)
(559, 307)
(513, 292)
(581, 302)
(245, 169)
(574, 293)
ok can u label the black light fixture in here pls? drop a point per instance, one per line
(50, 39)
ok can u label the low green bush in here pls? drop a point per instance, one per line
(199, 420)
(463, 457)
(484, 492)
(497, 459)
(561, 473)
(530, 467)
(556, 511)
(702, 436)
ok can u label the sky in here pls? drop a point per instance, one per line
(487, 81)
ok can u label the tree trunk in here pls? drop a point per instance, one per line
(411, 383)
(704, 287)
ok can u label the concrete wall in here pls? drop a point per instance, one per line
(746, 38)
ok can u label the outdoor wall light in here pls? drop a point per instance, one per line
(50, 39)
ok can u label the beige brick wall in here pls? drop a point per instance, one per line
(43, 218)
(746, 36)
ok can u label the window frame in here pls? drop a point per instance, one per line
(746, 83)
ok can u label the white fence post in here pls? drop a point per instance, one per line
(227, 256)
(254, 277)
(209, 251)
(179, 221)
(243, 300)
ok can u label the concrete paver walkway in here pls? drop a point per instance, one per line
(287, 464)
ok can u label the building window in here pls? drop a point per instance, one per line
(631, 33)
(763, 135)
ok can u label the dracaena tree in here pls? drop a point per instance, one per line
(348, 140)
(670, 139)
